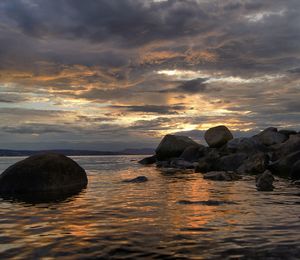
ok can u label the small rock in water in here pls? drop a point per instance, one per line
(264, 181)
(148, 160)
(138, 179)
(221, 176)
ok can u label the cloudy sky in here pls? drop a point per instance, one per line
(114, 74)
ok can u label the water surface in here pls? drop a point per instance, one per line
(172, 216)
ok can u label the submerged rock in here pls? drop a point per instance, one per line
(148, 160)
(173, 146)
(205, 202)
(217, 136)
(264, 181)
(138, 179)
(42, 174)
(221, 176)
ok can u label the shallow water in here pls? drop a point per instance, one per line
(177, 215)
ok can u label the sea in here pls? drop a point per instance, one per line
(176, 215)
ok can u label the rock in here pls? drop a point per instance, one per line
(42, 174)
(284, 166)
(138, 179)
(173, 146)
(181, 164)
(217, 136)
(254, 164)
(245, 145)
(193, 153)
(288, 147)
(295, 171)
(221, 176)
(163, 164)
(148, 160)
(287, 132)
(231, 162)
(270, 136)
(209, 162)
(264, 181)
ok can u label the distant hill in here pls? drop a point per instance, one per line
(143, 151)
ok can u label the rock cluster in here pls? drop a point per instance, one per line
(270, 152)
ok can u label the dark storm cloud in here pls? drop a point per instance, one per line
(34, 129)
(105, 56)
(152, 109)
(189, 87)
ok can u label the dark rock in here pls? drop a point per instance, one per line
(288, 147)
(221, 176)
(287, 132)
(193, 153)
(256, 163)
(284, 166)
(270, 136)
(209, 162)
(163, 164)
(205, 202)
(42, 174)
(217, 136)
(148, 160)
(173, 146)
(231, 162)
(264, 181)
(295, 171)
(245, 145)
(182, 164)
(138, 179)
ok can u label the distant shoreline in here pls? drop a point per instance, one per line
(70, 152)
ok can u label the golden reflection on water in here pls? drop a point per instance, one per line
(111, 215)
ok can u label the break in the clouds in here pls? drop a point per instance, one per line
(111, 74)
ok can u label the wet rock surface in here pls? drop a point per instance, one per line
(270, 152)
(43, 175)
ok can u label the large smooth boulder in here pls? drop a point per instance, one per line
(295, 171)
(217, 136)
(173, 146)
(271, 136)
(245, 145)
(287, 132)
(283, 166)
(49, 173)
(264, 181)
(181, 164)
(221, 176)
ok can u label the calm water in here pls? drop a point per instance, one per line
(178, 216)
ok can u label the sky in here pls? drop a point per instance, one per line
(115, 74)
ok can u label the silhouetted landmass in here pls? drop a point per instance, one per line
(6, 152)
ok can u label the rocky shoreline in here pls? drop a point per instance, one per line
(270, 152)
